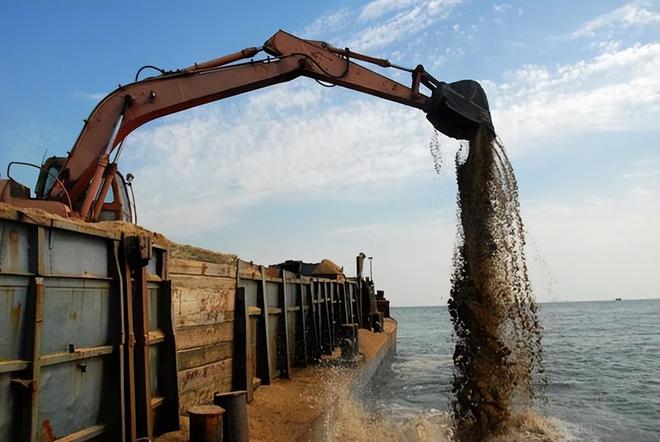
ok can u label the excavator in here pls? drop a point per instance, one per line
(87, 184)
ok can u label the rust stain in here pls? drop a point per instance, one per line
(48, 434)
(13, 246)
(15, 315)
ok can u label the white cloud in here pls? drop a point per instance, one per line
(501, 7)
(410, 21)
(629, 15)
(97, 96)
(378, 8)
(326, 24)
(233, 156)
(616, 90)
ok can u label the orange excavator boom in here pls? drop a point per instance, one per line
(455, 109)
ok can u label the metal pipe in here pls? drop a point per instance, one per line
(235, 420)
(205, 423)
(221, 61)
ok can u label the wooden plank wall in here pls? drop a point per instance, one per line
(203, 295)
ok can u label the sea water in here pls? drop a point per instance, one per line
(602, 361)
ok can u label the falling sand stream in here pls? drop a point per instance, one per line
(498, 352)
(498, 356)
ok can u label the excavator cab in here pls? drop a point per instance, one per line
(50, 169)
(118, 204)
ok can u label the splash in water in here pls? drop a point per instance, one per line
(498, 335)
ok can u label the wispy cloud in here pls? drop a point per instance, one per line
(629, 15)
(379, 23)
(410, 21)
(257, 149)
(327, 24)
(96, 96)
(378, 8)
(617, 90)
(501, 7)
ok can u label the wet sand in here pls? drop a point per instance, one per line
(301, 408)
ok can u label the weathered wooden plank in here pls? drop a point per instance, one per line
(203, 282)
(248, 270)
(273, 272)
(201, 313)
(198, 356)
(198, 336)
(199, 377)
(84, 434)
(200, 300)
(183, 251)
(251, 271)
(180, 266)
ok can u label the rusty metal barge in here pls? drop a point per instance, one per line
(111, 332)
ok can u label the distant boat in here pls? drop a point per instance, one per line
(618, 299)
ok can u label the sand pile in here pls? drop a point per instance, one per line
(498, 336)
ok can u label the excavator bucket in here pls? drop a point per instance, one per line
(459, 109)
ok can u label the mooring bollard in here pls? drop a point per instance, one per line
(205, 423)
(236, 418)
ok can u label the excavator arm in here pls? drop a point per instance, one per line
(455, 109)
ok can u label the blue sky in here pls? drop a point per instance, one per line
(303, 172)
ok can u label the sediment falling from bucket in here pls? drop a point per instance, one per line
(498, 337)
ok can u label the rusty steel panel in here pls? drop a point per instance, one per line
(251, 289)
(76, 254)
(13, 247)
(78, 314)
(272, 294)
(59, 327)
(72, 396)
(13, 306)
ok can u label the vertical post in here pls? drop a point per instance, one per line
(235, 422)
(262, 300)
(38, 318)
(329, 341)
(168, 413)
(316, 341)
(284, 328)
(331, 311)
(304, 308)
(129, 360)
(36, 257)
(242, 371)
(139, 254)
(118, 278)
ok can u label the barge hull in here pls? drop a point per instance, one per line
(111, 332)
